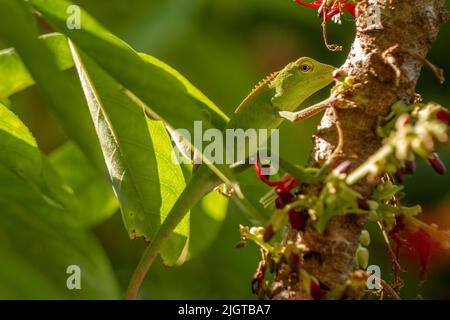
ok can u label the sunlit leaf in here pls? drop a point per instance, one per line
(62, 95)
(162, 92)
(14, 76)
(138, 154)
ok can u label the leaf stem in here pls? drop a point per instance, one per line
(150, 254)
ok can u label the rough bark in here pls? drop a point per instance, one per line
(385, 62)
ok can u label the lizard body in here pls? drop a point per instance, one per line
(280, 92)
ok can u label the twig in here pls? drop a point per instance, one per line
(438, 72)
(340, 145)
(389, 290)
(331, 47)
(389, 59)
(392, 255)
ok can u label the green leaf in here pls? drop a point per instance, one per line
(39, 237)
(164, 95)
(37, 246)
(21, 156)
(206, 222)
(158, 88)
(96, 198)
(62, 95)
(14, 76)
(138, 154)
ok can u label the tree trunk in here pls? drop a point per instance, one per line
(385, 60)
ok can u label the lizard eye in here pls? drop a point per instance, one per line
(306, 67)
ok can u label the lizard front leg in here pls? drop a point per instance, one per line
(307, 112)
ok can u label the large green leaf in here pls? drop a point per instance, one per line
(163, 92)
(96, 198)
(62, 95)
(209, 213)
(39, 237)
(164, 95)
(138, 153)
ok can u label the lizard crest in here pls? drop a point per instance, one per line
(256, 89)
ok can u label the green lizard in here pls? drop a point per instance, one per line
(272, 100)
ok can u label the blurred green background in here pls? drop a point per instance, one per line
(225, 47)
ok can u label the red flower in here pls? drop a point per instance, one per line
(334, 8)
(286, 184)
(417, 236)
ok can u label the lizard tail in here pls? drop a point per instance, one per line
(202, 182)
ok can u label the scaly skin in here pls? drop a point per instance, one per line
(282, 91)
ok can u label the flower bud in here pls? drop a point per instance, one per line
(268, 233)
(399, 175)
(362, 256)
(343, 167)
(298, 219)
(339, 74)
(364, 238)
(241, 244)
(410, 166)
(283, 199)
(443, 115)
(437, 164)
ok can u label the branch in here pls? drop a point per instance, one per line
(385, 66)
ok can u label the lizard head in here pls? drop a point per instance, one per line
(299, 80)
